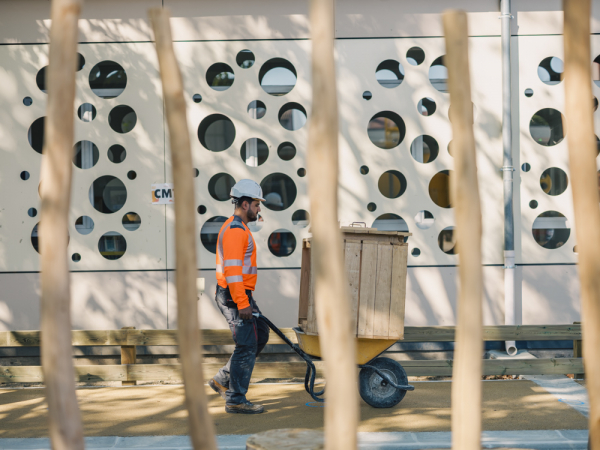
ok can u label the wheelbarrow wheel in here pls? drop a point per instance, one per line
(377, 392)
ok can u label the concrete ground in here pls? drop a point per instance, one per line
(159, 411)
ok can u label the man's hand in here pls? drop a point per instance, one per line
(246, 313)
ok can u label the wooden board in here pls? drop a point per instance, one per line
(368, 279)
(398, 294)
(381, 314)
(352, 266)
(171, 372)
(311, 325)
(304, 284)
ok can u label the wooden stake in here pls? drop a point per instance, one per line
(202, 430)
(337, 339)
(582, 160)
(65, 424)
(466, 375)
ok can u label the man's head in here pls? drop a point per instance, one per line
(246, 196)
(247, 208)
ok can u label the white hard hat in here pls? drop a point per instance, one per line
(247, 188)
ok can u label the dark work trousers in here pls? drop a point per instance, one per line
(250, 338)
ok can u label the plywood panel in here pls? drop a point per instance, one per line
(381, 319)
(368, 281)
(398, 293)
(352, 262)
(311, 326)
(304, 284)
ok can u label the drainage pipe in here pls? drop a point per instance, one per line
(507, 175)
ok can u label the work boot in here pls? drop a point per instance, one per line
(244, 408)
(217, 387)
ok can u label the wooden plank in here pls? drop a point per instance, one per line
(304, 285)
(381, 314)
(398, 294)
(352, 266)
(368, 278)
(498, 333)
(311, 325)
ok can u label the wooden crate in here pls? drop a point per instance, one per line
(376, 267)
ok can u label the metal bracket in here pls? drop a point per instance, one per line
(510, 16)
(507, 169)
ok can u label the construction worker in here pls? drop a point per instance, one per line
(236, 279)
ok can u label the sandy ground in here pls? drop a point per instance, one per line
(159, 410)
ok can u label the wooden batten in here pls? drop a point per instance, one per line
(375, 263)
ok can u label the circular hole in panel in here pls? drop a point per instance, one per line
(116, 153)
(367, 95)
(35, 240)
(76, 257)
(32, 212)
(107, 194)
(301, 218)
(36, 135)
(286, 151)
(277, 76)
(424, 220)
(196, 173)
(301, 172)
(220, 76)
(245, 59)
(439, 189)
(282, 242)
(415, 252)
(364, 170)
(595, 104)
(551, 70)
(201, 209)
(131, 175)
(525, 167)
(257, 109)
(84, 225)
(27, 101)
(219, 186)
(371, 206)
(386, 129)
(392, 184)
(279, 191)
(86, 112)
(533, 204)
(122, 119)
(554, 181)
(596, 71)
(390, 222)
(216, 132)
(112, 245)
(450, 145)
(40, 79)
(547, 127)
(197, 98)
(424, 149)
(292, 116)
(389, 73)
(528, 92)
(447, 241)
(210, 232)
(86, 154)
(597, 146)
(24, 175)
(415, 56)
(575, 249)
(108, 79)
(254, 152)
(131, 221)
(550, 230)
(256, 225)
(438, 75)
(426, 106)
(80, 62)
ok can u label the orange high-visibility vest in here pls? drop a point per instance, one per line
(236, 260)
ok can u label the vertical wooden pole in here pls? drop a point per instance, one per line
(582, 160)
(331, 287)
(66, 429)
(128, 356)
(466, 375)
(202, 430)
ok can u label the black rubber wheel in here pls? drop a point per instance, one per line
(375, 390)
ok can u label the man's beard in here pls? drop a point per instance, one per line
(251, 216)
